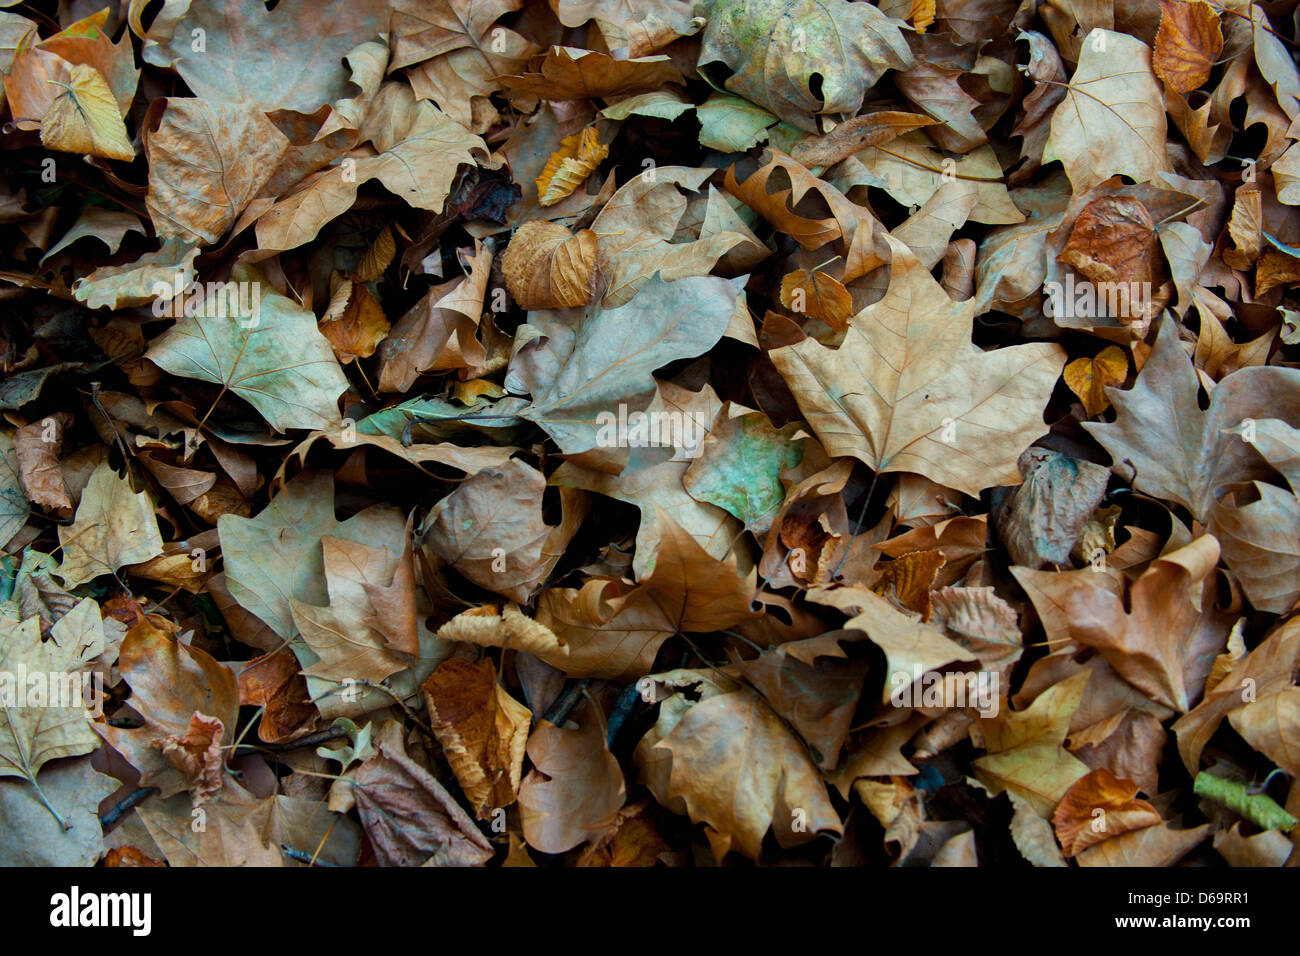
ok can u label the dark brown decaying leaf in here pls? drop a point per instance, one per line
(410, 818)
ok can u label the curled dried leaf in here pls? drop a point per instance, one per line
(570, 165)
(489, 627)
(548, 267)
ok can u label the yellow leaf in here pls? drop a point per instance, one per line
(1088, 378)
(84, 118)
(570, 165)
(922, 14)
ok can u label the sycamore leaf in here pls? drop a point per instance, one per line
(568, 73)
(482, 730)
(33, 836)
(32, 731)
(490, 529)
(114, 526)
(457, 55)
(206, 162)
(1165, 641)
(276, 556)
(911, 647)
(263, 347)
(1159, 845)
(575, 789)
(341, 635)
(409, 816)
(1026, 753)
(141, 281)
(1188, 44)
(172, 684)
(775, 48)
(732, 124)
(614, 631)
(1261, 675)
(1078, 823)
(1089, 377)
(594, 359)
(14, 505)
(1194, 452)
(739, 467)
(929, 401)
(269, 59)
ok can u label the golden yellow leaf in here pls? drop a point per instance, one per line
(84, 118)
(1088, 377)
(570, 165)
(922, 14)
(354, 323)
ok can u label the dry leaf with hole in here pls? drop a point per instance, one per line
(1098, 807)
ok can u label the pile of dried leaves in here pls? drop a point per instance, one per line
(619, 432)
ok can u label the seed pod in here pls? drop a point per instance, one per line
(547, 267)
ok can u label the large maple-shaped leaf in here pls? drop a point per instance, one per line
(31, 732)
(1112, 119)
(421, 151)
(907, 376)
(589, 361)
(614, 631)
(776, 47)
(277, 556)
(660, 485)
(271, 355)
(456, 52)
(1164, 643)
(1195, 452)
(289, 58)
